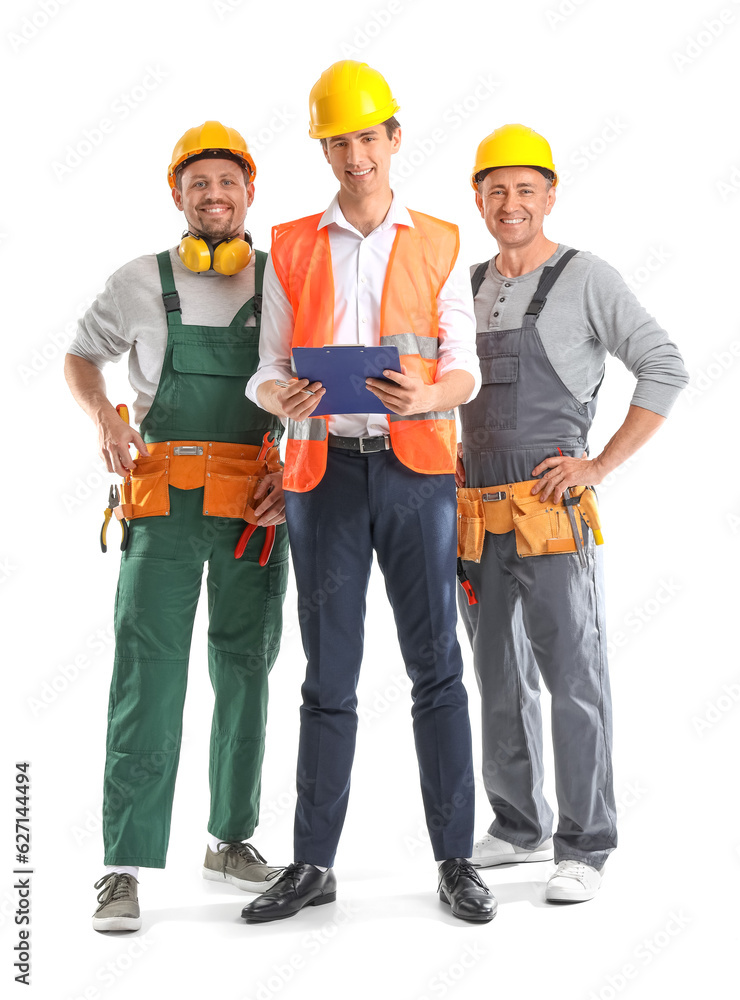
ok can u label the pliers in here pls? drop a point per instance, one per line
(267, 442)
(266, 546)
(114, 501)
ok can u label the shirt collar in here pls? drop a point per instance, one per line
(398, 215)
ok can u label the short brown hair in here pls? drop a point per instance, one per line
(212, 154)
(391, 124)
(547, 174)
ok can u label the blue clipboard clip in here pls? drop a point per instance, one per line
(342, 370)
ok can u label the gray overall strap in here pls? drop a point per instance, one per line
(476, 279)
(549, 276)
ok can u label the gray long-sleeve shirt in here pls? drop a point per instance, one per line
(129, 315)
(590, 311)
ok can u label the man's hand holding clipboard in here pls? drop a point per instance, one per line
(402, 393)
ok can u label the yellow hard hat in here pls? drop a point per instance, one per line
(206, 137)
(347, 97)
(513, 146)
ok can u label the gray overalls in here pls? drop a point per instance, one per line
(541, 615)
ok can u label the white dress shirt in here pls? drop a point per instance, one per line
(359, 264)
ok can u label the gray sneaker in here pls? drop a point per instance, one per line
(119, 904)
(238, 863)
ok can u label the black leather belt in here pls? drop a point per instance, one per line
(366, 446)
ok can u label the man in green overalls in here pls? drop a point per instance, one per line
(190, 319)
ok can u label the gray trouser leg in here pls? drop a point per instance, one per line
(545, 613)
(508, 681)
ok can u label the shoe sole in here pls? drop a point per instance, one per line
(116, 923)
(330, 897)
(513, 859)
(483, 919)
(566, 896)
(242, 884)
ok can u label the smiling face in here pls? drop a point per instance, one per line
(514, 202)
(361, 160)
(214, 196)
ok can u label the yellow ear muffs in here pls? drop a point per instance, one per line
(231, 256)
(226, 257)
(195, 253)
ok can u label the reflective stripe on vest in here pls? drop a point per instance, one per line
(420, 263)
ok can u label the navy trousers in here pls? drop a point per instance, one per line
(367, 502)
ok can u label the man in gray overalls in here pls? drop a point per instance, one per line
(529, 530)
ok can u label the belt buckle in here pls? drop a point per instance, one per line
(488, 497)
(187, 449)
(369, 450)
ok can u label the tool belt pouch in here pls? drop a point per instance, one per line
(541, 528)
(230, 484)
(589, 511)
(146, 490)
(471, 524)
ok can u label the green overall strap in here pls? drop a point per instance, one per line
(170, 295)
(253, 306)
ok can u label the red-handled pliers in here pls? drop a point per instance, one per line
(266, 547)
(465, 583)
(267, 443)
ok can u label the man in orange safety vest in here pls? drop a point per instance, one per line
(369, 271)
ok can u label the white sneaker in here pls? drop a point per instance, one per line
(490, 851)
(572, 882)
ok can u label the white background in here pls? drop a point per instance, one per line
(649, 140)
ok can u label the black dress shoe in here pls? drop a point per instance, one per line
(461, 886)
(298, 885)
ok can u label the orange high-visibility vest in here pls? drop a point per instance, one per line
(420, 262)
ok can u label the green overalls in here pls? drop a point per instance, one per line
(200, 397)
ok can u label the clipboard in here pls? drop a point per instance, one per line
(342, 370)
